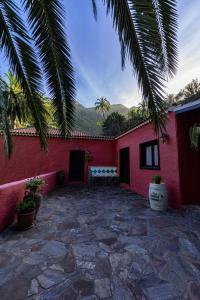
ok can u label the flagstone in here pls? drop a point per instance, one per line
(101, 243)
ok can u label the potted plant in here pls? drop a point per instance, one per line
(34, 184)
(60, 178)
(25, 213)
(32, 188)
(158, 197)
(88, 156)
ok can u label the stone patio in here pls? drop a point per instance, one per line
(102, 243)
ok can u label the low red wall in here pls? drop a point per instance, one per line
(12, 193)
(28, 160)
(169, 169)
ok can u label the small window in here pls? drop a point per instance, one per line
(149, 155)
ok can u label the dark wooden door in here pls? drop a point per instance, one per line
(76, 165)
(124, 166)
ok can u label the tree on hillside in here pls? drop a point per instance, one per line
(136, 116)
(147, 33)
(114, 124)
(103, 106)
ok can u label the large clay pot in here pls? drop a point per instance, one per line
(158, 196)
(25, 220)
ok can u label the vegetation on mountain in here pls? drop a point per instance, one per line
(114, 124)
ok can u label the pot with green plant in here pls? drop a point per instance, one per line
(158, 196)
(25, 213)
(32, 188)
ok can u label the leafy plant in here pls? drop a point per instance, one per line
(28, 205)
(88, 156)
(194, 133)
(157, 179)
(35, 183)
(114, 124)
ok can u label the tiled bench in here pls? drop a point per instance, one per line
(103, 175)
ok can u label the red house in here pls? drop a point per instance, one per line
(138, 155)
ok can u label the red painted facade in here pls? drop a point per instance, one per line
(28, 160)
(179, 165)
(169, 169)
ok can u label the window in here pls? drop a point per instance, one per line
(149, 155)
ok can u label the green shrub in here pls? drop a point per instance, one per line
(35, 183)
(157, 179)
(26, 206)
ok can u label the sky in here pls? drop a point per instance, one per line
(96, 53)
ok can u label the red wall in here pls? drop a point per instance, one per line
(140, 178)
(28, 160)
(12, 193)
(189, 159)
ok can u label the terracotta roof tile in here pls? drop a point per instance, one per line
(55, 133)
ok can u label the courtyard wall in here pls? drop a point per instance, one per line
(169, 159)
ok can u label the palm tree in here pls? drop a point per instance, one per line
(15, 101)
(147, 34)
(102, 105)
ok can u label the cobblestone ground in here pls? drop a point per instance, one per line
(103, 243)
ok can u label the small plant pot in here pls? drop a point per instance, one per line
(25, 220)
(158, 196)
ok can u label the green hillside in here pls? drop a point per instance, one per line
(86, 119)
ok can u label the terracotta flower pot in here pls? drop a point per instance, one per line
(25, 220)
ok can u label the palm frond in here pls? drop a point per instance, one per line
(167, 19)
(17, 47)
(46, 22)
(94, 7)
(139, 34)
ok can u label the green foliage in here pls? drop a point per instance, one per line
(194, 133)
(157, 179)
(189, 93)
(148, 35)
(43, 46)
(35, 183)
(28, 205)
(102, 105)
(136, 116)
(16, 106)
(114, 124)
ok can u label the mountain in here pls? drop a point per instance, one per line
(86, 119)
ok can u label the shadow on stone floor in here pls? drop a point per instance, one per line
(101, 243)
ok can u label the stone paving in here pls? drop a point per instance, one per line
(102, 243)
